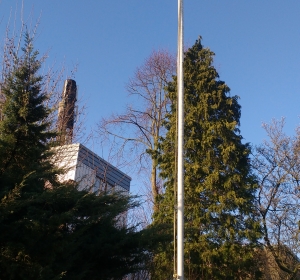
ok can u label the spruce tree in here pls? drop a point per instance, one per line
(221, 225)
(55, 232)
(25, 167)
(25, 133)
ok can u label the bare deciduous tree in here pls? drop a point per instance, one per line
(277, 165)
(135, 134)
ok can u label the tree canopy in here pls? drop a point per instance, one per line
(221, 223)
(53, 231)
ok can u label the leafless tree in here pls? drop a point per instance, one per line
(135, 134)
(277, 165)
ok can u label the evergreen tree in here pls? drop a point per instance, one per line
(25, 166)
(24, 133)
(55, 232)
(221, 225)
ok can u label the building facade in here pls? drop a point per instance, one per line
(90, 171)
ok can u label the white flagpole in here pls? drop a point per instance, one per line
(180, 174)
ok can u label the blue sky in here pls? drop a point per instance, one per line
(256, 44)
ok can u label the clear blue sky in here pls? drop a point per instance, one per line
(256, 42)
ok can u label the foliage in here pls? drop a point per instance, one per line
(221, 223)
(50, 230)
(24, 133)
(70, 233)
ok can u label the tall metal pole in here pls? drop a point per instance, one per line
(180, 174)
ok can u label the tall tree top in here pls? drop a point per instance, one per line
(25, 132)
(220, 219)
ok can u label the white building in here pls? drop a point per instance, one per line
(88, 169)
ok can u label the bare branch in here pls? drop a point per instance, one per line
(141, 126)
(277, 165)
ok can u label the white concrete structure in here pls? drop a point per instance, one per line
(91, 171)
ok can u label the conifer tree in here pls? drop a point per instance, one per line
(55, 232)
(221, 224)
(24, 133)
